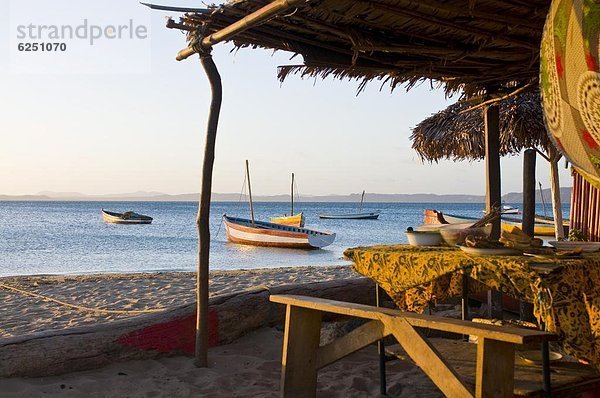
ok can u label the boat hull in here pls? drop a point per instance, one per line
(296, 220)
(351, 216)
(540, 229)
(262, 233)
(117, 218)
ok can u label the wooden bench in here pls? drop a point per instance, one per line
(303, 357)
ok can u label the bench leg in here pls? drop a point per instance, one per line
(465, 301)
(495, 368)
(427, 357)
(381, 348)
(546, 370)
(300, 344)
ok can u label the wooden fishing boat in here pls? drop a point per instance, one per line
(549, 220)
(129, 217)
(353, 216)
(436, 217)
(262, 233)
(295, 220)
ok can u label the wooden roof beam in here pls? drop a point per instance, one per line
(437, 51)
(259, 16)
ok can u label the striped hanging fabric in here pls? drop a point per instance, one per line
(585, 207)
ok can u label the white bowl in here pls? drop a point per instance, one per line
(424, 238)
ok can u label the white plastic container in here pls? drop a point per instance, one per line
(424, 238)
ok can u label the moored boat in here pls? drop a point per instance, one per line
(353, 216)
(262, 233)
(436, 217)
(297, 220)
(129, 217)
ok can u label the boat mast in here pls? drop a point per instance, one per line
(292, 213)
(362, 199)
(250, 190)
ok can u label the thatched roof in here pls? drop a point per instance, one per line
(450, 134)
(465, 44)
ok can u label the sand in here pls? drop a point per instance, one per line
(22, 314)
(249, 367)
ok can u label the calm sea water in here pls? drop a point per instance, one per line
(70, 237)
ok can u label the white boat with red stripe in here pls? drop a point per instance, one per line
(262, 233)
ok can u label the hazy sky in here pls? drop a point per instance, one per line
(123, 116)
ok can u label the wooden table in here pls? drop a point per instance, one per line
(565, 293)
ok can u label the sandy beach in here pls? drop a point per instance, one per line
(249, 367)
(23, 314)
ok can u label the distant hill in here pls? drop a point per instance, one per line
(25, 198)
(517, 197)
(513, 197)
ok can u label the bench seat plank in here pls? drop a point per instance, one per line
(509, 335)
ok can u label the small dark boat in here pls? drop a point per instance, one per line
(374, 215)
(129, 217)
(351, 216)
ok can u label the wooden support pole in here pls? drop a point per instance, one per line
(528, 223)
(493, 196)
(574, 198)
(381, 347)
(559, 229)
(257, 17)
(492, 162)
(495, 369)
(202, 219)
(299, 360)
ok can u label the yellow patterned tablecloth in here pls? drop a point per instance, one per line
(567, 300)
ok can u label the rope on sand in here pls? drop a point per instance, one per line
(78, 307)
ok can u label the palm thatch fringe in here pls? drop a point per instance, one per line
(465, 45)
(457, 135)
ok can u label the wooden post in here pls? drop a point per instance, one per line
(202, 220)
(465, 300)
(555, 187)
(381, 347)
(495, 368)
(492, 162)
(493, 196)
(299, 360)
(528, 224)
(574, 199)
